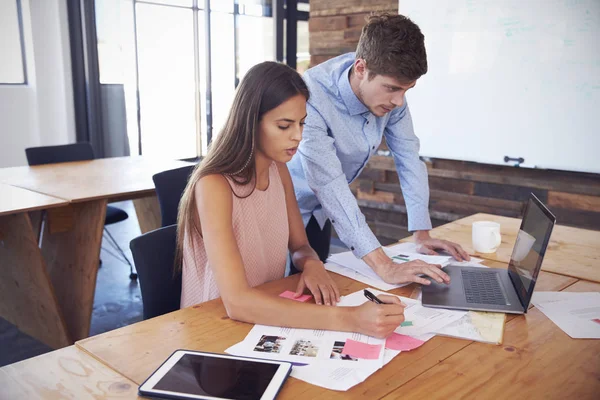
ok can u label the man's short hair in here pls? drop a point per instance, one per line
(393, 45)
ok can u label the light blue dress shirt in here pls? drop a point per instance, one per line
(339, 137)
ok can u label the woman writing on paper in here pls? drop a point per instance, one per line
(238, 218)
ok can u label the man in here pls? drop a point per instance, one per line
(356, 99)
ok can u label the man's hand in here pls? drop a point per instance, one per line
(395, 273)
(428, 245)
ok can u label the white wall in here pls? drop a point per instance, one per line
(509, 78)
(41, 112)
(10, 44)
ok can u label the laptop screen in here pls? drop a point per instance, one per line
(530, 247)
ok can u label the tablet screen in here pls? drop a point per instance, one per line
(218, 377)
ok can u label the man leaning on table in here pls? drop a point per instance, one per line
(356, 99)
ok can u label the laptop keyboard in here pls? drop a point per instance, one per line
(482, 287)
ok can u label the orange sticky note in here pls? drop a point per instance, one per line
(402, 342)
(361, 350)
(290, 295)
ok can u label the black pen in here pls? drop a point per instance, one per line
(372, 297)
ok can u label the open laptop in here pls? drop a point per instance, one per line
(499, 290)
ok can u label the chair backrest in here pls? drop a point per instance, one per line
(64, 153)
(154, 257)
(169, 188)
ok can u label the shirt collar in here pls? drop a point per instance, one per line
(353, 104)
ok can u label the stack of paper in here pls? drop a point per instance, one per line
(348, 265)
(340, 360)
(577, 314)
(307, 346)
(480, 326)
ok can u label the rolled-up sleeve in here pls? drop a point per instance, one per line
(404, 146)
(326, 178)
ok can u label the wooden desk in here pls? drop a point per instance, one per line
(27, 297)
(572, 251)
(536, 360)
(14, 200)
(73, 235)
(68, 373)
(136, 350)
(108, 179)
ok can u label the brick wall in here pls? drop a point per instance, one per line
(458, 188)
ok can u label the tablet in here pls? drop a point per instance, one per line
(199, 375)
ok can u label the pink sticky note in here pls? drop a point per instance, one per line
(402, 342)
(361, 350)
(290, 295)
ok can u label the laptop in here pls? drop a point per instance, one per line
(499, 290)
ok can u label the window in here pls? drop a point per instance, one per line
(155, 51)
(12, 51)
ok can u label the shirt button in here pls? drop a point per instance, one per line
(352, 248)
(373, 147)
(333, 221)
(367, 122)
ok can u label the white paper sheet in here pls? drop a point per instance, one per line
(304, 346)
(411, 247)
(348, 265)
(424, 320)
(577, 314)
(352, 274)
(480, 326)
(343, 377)
(333, 377)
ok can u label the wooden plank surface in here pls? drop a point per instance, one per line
(136, 350)
(537, 360)
(68, 373)
(27, 297)
(148, 213)
(72, 257)
(113, 179)
(15, 200)
(572, 251)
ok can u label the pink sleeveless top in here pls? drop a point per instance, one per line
(260, 225)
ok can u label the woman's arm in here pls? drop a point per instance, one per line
(214, 205)
(314, 276)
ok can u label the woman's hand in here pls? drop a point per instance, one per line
(317, 280)
(379, 320)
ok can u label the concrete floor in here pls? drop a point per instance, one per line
(117, 301)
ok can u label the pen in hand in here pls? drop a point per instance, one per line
(372, 297)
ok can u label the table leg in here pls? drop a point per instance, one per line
(72, 257)
(148, 213)
(27, 297)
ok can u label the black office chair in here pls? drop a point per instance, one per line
(169, 188)
(154, 257)
(80, 152)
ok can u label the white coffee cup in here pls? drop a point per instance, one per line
(486, 236)
(523, 245)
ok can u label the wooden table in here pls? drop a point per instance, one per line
(536, 360)
(107, 179)
(67, 373)
(572, 251)
(27, 297)
(135, 351)
(73, 235)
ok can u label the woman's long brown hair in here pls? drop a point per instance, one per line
(264, 87)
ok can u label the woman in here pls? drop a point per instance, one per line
(239, 217)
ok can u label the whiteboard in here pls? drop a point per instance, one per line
(518, 78)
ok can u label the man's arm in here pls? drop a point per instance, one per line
(404, 146)
(326, 178)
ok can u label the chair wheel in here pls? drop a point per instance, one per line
(133, 276)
